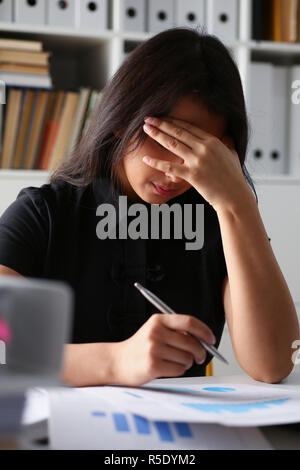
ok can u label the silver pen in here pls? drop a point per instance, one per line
(164, 308)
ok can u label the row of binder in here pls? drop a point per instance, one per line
(219, 16)
(82, 14)
(274, 115)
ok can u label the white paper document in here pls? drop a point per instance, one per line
(81, 418)
(228, 404)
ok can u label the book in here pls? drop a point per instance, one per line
(20, 68)
(262, 14)
(17, 44)
(24, 57)
(298, 21)
(29, 100)
(79, 118)
(11, 125)
(43, 132)
(51, 132)
(26, 80)
(41, 105)
(29, 127)
(95, 95)
(66, 122)
(284, 20)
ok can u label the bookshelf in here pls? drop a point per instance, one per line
(82, 57)
(91, 58)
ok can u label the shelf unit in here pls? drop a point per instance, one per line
(89, 58)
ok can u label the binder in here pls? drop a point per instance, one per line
(222, 19)
(6, 10)
(278, 158)
(30, 12)
(133, 15)
(160, 15)
(294, 119)
(189, 13)
(93, 15)
(62, 13)
(260, 117)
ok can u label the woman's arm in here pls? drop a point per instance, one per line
(88, 364)
(260, 312)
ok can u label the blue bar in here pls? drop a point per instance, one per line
(133, 394)
(121, 422)
(183, 429)
(142, 425)
(98, 413)
(164, 431)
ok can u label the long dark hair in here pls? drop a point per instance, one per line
(150, 81)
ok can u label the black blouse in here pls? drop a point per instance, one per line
(50, 232)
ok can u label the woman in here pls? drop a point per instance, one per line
(196, 146)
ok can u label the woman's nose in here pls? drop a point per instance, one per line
(172, 178)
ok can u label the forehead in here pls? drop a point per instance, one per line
(191, 110)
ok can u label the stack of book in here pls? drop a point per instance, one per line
(276, 20)
(23, 63)
(41, 127)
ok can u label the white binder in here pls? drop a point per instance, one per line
(294, 120)
(189, 13)
(278, 158)
(6, 10)
(93, 15)
(260, 117)
(30, 12)
(160, 15)
(222, 19)
(133, 15)
(63, 13)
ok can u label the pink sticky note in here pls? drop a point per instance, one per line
(5, 332)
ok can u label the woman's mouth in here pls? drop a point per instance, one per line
(163, 191)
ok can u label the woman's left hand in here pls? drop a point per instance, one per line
(209, 164)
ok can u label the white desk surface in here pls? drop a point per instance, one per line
(281, 437)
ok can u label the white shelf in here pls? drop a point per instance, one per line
(270, 46)
(100, 53)
(24, 174)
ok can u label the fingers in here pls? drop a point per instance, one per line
(174, 354)
(170, 143)
(188, 323)
(187, 346)
(178, 128)
(169, 168)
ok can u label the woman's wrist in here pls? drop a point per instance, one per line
(89, 364)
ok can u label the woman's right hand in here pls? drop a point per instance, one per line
(162, 347)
